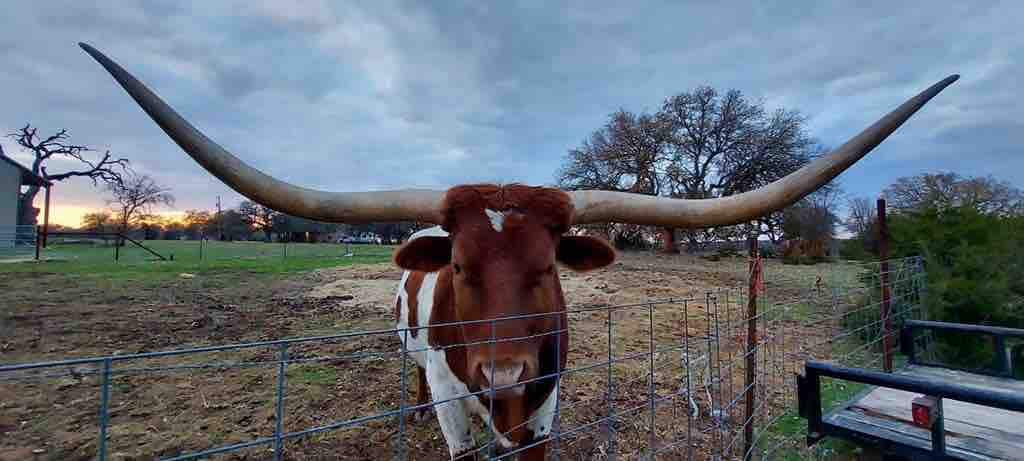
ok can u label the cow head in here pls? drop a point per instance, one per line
(500, 255)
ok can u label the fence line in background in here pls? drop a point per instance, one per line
(17, 240)
(73, 245)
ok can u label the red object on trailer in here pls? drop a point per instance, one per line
(923, 409)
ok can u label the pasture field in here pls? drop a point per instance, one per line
(83, 304)
(194, 257)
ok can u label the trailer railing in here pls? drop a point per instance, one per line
(810, 401)
(918, 342)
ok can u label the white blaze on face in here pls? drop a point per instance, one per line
(497, 218)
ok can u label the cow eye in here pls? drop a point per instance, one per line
(550, 269)
(457, 268)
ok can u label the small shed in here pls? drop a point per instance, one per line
(14, 176)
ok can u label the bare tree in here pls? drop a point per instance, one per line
(195, 222)
(258, 217)
(98, 222)
(134, 197)
(813, 218)
(862, 218)
(942, 191)
(706, 130)
(701, 144)
(623, 155)
(724, 144)
(103, 169)
(173, 229)
(151, 225)
(626, 155)
(228, 225)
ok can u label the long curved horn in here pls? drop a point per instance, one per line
(424, 205)
(607, 206)
(349, 207)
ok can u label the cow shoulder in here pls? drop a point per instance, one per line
(552, 359)
(413, 284)
(442, 332)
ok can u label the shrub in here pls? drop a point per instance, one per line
(974, 263)
(865, 317)
(975, 272)
(855, 249)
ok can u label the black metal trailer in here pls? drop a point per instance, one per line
(925, 409)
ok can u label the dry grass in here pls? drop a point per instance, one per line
(164, 413)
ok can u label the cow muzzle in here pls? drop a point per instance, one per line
(503, 376)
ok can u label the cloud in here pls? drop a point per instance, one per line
(389, 94)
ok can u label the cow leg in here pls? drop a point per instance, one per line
(422, 394)
(534, 453)
(507, 423)
(451, 414)
(539, 427)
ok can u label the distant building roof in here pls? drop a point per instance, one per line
(27, 176)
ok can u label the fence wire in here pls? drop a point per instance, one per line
(102, 247)
(663, 379)
(17, 242)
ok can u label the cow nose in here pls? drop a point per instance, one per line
(502, 373)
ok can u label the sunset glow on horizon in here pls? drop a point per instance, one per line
(71, 215)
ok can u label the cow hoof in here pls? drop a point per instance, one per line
(469, 455)
(503, 451)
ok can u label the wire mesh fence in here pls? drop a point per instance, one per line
(677, 378)
(82, 247)
(17, 241)
(850, 316)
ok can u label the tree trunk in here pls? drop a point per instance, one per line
(669, 238)
(121, 231)
(29, 214)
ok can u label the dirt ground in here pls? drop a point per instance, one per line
(170, 406)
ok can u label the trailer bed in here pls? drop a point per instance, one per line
(973, 432)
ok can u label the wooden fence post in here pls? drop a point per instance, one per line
(883, 256)
(46, 216)
(750, 384)
(39, 237)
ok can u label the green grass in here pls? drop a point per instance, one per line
(786, 436)
(789, 431)
(802, 312)
(246, 257)
(320, 375)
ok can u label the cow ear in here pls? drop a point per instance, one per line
(581, 253)
(426, 254)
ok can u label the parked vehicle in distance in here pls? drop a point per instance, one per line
(365, 239)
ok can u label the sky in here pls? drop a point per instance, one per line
(379, 95)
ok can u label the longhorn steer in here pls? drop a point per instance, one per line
(489, 273)
(494, 255)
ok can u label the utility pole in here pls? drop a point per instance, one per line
(220, 222)
(754, 284)
(46, 214)
(883, 272)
